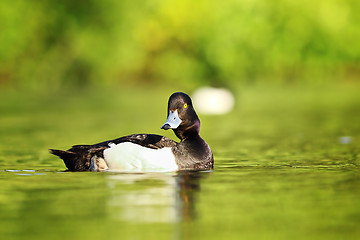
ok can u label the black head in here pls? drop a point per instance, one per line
(182, 117)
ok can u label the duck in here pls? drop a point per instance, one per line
(148, 152)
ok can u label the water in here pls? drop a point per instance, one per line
(281, 171)
(230, 202)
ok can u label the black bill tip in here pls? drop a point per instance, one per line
(166, 126)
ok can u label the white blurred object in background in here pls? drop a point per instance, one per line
(208, 100)
(345, 140)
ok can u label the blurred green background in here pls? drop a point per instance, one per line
(51, 44)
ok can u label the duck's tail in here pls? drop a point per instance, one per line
(78, 158)
(70, 158)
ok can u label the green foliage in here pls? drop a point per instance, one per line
(56, 43)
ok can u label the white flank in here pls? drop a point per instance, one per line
(135, 158)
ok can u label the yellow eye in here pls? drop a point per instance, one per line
(185, 105)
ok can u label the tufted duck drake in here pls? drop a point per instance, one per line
(148, 152)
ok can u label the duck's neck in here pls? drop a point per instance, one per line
(191, 138)
(192, 131)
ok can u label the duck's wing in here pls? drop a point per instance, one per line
(146, 140)
(83, 157)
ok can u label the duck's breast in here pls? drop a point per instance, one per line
(132, 157)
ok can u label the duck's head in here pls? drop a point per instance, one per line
(182, 118)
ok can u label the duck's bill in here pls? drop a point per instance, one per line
(173, 121)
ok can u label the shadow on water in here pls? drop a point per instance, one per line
(156, 197)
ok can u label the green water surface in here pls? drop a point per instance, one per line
(283, 169)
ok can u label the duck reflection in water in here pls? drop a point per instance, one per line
(155, 197)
